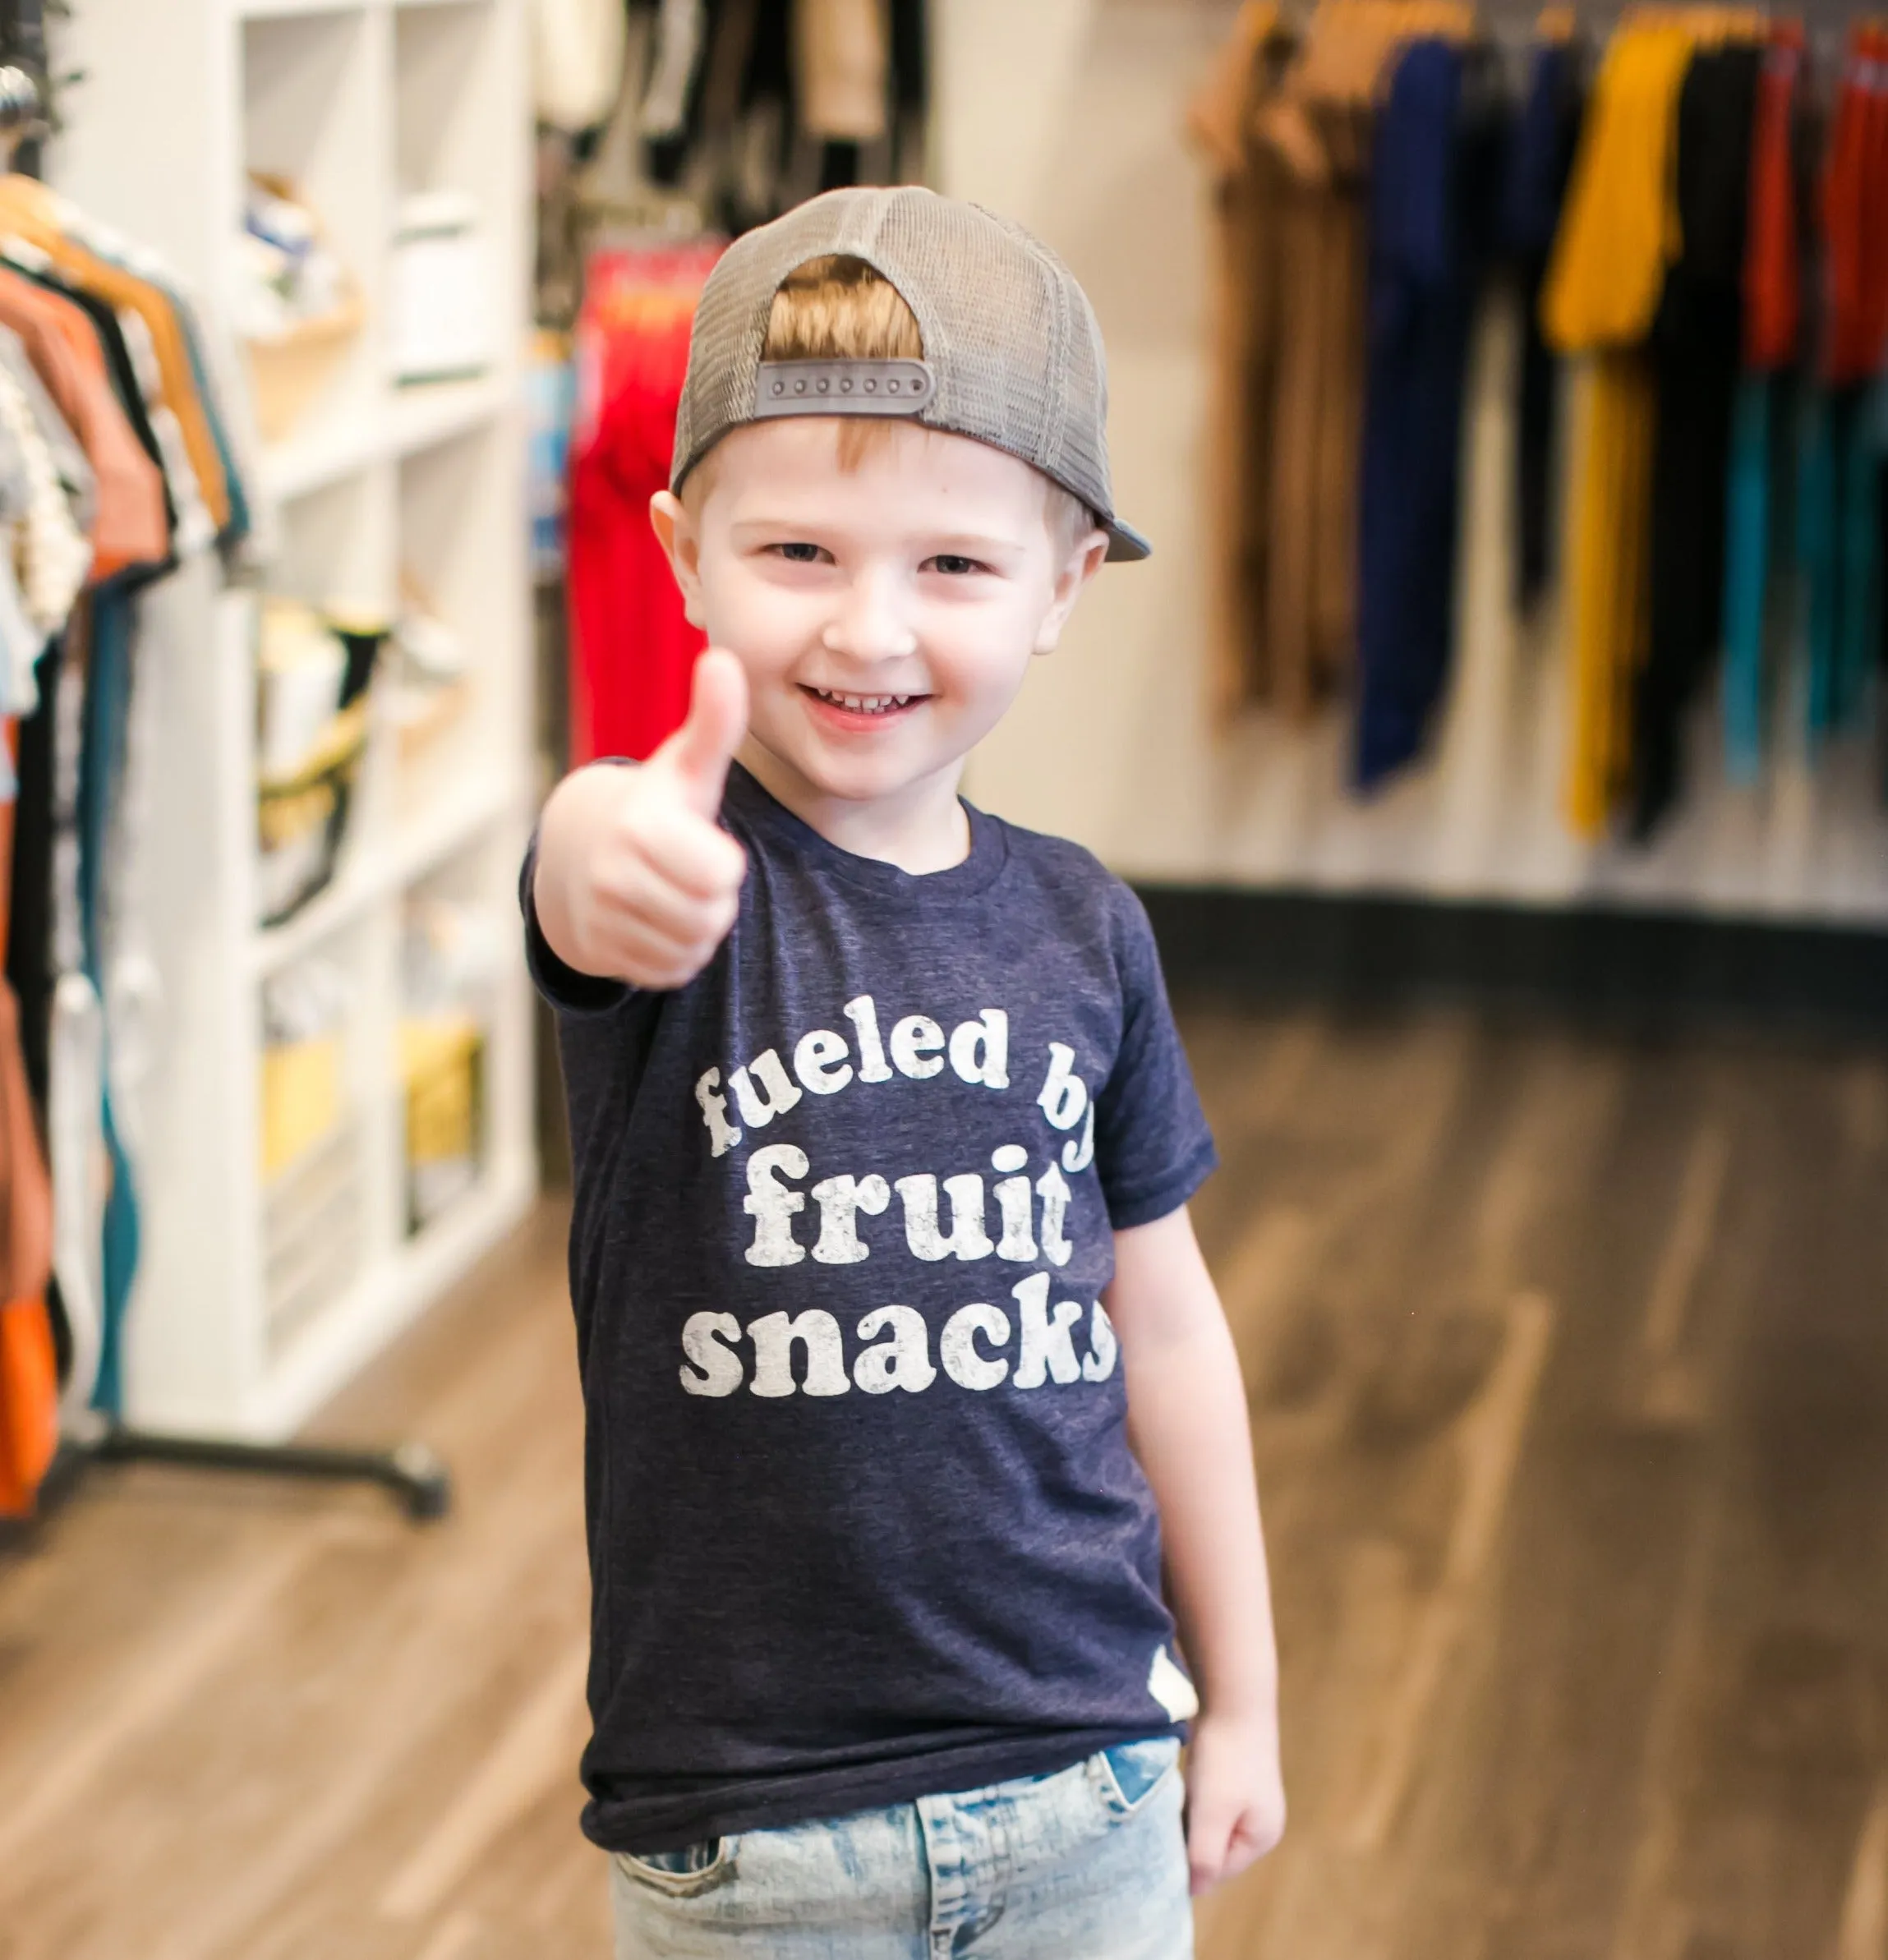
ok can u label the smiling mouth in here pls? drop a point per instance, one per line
(863, 704)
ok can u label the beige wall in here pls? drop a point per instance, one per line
(1067, 113)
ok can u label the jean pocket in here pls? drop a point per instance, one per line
(1132, 1772)
(695, 1869)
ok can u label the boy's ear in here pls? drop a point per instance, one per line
(675, 533)
(1081, 564)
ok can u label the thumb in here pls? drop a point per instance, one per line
(701, 749)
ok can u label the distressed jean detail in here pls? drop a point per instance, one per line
(1089, 1864)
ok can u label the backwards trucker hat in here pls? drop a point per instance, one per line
(1013, 356)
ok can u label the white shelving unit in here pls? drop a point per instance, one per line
(233, 1330)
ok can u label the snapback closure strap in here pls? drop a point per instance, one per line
(842, 388)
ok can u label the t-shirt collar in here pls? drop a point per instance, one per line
(758, 808)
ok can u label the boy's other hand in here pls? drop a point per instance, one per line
(1235, 1796)
(636, 881)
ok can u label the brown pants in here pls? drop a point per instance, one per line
(1285, 429)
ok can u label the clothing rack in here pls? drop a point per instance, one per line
(411, 1470)
(1786, 826)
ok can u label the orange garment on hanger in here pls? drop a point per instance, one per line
(130, 527)
(31, 211)
(29, 1371)
(29, 1404)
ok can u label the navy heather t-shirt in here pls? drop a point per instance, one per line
(864, 1521)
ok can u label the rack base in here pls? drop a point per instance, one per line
(411, 1471)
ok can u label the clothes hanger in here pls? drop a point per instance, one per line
(20, 116)
(1217, 115)
(1363, 37)
(1711, 26)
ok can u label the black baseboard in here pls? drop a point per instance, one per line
(1374, 951)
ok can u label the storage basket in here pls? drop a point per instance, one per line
(302, 819)
(442, 1062)
(302, 1099)
(302, 809)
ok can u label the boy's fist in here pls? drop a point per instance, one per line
(1234, 1795)
(635, 880)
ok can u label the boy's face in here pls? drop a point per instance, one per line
(887, 613)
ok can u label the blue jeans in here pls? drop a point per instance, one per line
(1090, 1864)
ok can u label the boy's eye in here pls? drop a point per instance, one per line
(954, 565)
(798, 552)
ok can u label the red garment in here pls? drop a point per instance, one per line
(1773, 265)
(1854, 213)
(631, 648)
(1873, 324)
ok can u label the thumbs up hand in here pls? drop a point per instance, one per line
(696, 757)
(635, 881)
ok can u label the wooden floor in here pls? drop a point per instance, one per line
(1568, 1363)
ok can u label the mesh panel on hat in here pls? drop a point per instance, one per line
(997, 319)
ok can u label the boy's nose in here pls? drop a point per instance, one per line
(870, 624)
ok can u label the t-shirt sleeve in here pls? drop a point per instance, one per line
(567, 990)
(1153, 1148)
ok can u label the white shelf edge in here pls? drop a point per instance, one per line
(389, 1297)
(429, 412)
(294, 10)
(306, 463)
(370, 876)
(416, 416)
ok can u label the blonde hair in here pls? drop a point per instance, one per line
(839, 308)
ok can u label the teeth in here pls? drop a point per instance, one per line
(863, 704)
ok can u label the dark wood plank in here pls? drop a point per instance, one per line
(1650, 1744)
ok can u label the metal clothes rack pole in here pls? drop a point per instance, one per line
(411, 1471)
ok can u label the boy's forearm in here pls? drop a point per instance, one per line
(1188, 1424)
(1187, 1421)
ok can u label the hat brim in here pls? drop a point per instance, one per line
(1125, 543)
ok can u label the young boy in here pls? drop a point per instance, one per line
(883, 1140)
